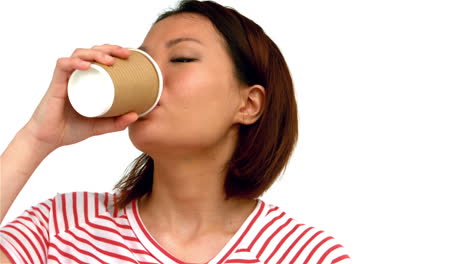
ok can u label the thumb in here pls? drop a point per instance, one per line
(113, 124)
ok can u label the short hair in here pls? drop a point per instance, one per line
(264, 147)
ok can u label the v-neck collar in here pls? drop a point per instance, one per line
(160, 254)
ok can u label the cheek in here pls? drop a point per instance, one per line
(182, 85)
(198, 104)
(213, 94)
(194, 89)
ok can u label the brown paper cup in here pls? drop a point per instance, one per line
(134, 84)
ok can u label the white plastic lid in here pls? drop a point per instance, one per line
(91, 92)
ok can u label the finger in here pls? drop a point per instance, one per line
(114, 50)
(113, 124)
(111, 50)
(65, 66)
(94, 55)
(125, 120)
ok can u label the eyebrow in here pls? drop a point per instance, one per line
(173, 42)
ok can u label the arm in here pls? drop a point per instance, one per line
(54, 123)
(3, 258)
(17, 163)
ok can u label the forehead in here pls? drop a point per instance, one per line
(188, 25)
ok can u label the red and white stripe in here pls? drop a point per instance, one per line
(83, 227)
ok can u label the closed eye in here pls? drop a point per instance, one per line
(182, 59)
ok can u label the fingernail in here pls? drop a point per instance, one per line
(84, 64)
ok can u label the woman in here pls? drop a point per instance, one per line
(222, 133)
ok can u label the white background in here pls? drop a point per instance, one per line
(382, 95)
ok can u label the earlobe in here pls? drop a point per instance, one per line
(253, 104)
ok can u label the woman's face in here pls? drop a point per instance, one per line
(201, 98)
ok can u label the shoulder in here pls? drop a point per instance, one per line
(83, 200)
(279, 238)
(77, 208)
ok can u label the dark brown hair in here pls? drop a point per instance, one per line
(263, 148)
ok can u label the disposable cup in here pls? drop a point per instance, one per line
(134, 84)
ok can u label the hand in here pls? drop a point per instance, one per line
(54, 122)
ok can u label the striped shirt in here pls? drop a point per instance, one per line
(84, 227)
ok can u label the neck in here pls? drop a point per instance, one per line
(189, 192)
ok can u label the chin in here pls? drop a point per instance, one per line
(142, 134)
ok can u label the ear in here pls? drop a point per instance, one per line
(251, 105)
